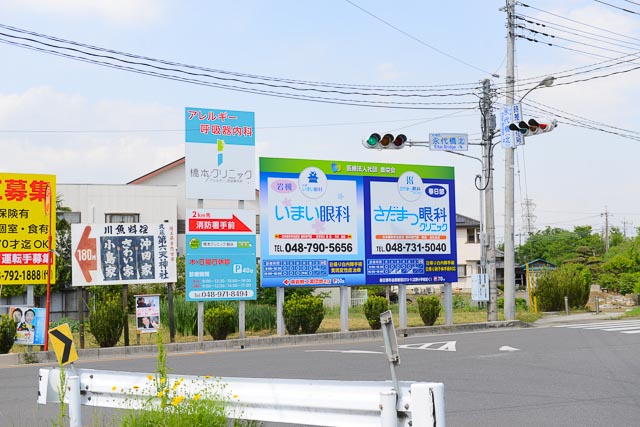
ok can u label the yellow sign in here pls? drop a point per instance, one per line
(26, 228)
(62, 341)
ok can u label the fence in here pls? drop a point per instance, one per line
(307, 402)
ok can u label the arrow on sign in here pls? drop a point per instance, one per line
(62, 342)
(86, 254)
(218, 225)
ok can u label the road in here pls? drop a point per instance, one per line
(549, 376)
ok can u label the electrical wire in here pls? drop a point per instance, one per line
(418, 40)
(617, 7)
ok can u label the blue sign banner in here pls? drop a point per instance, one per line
(220, 255)
(327, 223)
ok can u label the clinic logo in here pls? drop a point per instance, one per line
(435, 191)
(220, 150)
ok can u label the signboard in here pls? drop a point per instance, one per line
(147, 313)
(508, 115)
(30, 325)
(480, 287)
(128, 253)
(219, 154)
(449, 141)
(25, 228)
(62, 341)
(221, 254)
(336, 223)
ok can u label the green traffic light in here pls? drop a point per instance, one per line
(373, 139)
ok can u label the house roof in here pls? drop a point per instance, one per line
(465, 221)
(158, 171)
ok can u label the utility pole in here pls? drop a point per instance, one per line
(509, 249)
(606, 229)
(488, 241)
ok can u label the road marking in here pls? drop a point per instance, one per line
(507, 348)
(622, 326)
(441, 346)
(346, 351)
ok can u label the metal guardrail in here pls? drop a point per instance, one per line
(308, 402)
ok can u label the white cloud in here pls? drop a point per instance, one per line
(81, 141)
(124, 12)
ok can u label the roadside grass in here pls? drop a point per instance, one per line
(330, 323)
(634, 312)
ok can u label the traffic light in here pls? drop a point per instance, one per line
(386, 141)
(534, 126)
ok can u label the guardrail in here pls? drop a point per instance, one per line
(308, 402)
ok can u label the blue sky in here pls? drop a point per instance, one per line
(91, 124)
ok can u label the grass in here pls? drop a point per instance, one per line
(330, 323)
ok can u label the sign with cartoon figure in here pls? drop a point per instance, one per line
(336, 223)
(30, 323)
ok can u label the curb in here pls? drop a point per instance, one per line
(13, 359)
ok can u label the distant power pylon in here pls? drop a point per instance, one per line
(528, 217)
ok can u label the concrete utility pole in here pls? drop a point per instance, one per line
(488, 241)
(606, 229)
(509, 249)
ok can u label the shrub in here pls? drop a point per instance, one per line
(374, 306)
(218, 321)
(429, 309)
(568, 280)
(106, 322)
(7, 333)
(521, 304)
(303, 312)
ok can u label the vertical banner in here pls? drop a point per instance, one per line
(147, 313)
(24, 228)
(219, 154)
(338, 223)
(221, 254)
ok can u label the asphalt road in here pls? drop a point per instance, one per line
(543, 376)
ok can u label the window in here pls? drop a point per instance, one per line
(473, 235)
(462, 270)
(70, 217)
(121, 217)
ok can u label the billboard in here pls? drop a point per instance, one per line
(221, 254)
(30, 324)
(219, 154)
(339, 223)
(127, 253)
(27, 219)
(147, 313)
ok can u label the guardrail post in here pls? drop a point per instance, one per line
(75, 412)
(388, 414)
(427, 405)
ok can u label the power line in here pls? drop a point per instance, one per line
(419, 40)
(340, 101)
(403, 88)
(617, 7)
